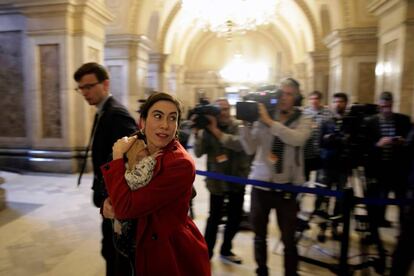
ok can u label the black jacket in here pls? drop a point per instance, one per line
(372, 130)
(114, 122)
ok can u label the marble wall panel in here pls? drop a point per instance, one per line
(12, 109)
(115, 73)
(50, 91)
(93, 54)
(366, 82)
(390, 65)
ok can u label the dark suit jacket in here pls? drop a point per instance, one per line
(373, 135)
(115, 122)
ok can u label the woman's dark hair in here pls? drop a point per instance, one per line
(91, 68)
(156, 97)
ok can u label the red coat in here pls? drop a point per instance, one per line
(168, 242)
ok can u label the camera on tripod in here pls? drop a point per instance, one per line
(248, 110)
(200, 121)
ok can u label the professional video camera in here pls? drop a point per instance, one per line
(248, 109)
(202, 109)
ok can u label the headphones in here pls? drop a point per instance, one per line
(294, 83)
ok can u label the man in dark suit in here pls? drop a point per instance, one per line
(112, 121)
(387, 165)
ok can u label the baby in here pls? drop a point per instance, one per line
(137, 175)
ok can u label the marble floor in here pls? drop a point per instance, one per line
(49, 227)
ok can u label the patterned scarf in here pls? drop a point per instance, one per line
(278, 146)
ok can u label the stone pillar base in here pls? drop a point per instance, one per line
(42, 160)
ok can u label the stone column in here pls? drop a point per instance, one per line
(395, 63)
(352, 58)
(127, 59)
(318, 74)
(156, 71)
(53, 122)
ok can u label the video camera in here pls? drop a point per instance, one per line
(248, 110)
(202, 109)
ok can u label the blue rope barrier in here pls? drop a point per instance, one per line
(276, 186)
(300, 189)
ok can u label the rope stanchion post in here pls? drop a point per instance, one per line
(347, 204)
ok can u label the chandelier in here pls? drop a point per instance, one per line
(226, 17)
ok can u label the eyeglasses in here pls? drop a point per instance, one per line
(86, 87)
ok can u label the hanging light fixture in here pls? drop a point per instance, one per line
(226, 17)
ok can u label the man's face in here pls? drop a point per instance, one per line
(314, 102)
(339, 105)
(92, 90)
(385, 107)
(287, 99)
(224, 116)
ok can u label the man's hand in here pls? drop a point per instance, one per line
(384, 141)
(264, 116)
(107, 210)
(122, 146)
(212, 126)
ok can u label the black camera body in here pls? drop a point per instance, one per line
(201, 121)
(248, 109)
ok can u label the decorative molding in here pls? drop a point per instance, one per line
(350, 34)
(379, 7)
(115, 40)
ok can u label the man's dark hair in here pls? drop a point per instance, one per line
(91, 68)
(386, 96)
(316, 93)
(341, 95)
(156, 97)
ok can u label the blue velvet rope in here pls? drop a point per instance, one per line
(300, 189)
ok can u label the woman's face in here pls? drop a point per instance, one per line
(160, 125)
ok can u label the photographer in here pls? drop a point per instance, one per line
(387, 159)
(220, 141)
(277, 141)
(336, 158)
(388, 162)
(318, 113)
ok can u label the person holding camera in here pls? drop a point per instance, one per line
(219, 139)
(335, 144)
(277, 140)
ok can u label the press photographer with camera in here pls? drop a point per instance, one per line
(335, 144)
(277, 140)
(216, 135)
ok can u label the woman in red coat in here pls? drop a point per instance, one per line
(167, 240)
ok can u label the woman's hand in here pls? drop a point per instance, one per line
(122, 146)
(107, 210)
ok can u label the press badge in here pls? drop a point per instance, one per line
(273, 158)
(221, 158)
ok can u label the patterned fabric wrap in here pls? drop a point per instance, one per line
(124, 230)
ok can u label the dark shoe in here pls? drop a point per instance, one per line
(385, 223)
(321, 214)
(302, 226)
(231, 258)
(321, 236)
(336, 235)
(262, 271)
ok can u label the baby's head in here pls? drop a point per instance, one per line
(136, 152)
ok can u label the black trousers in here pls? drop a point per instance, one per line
(116, 264)
(234, 209)
(286, 210)
(404, 254)
(332, 177)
